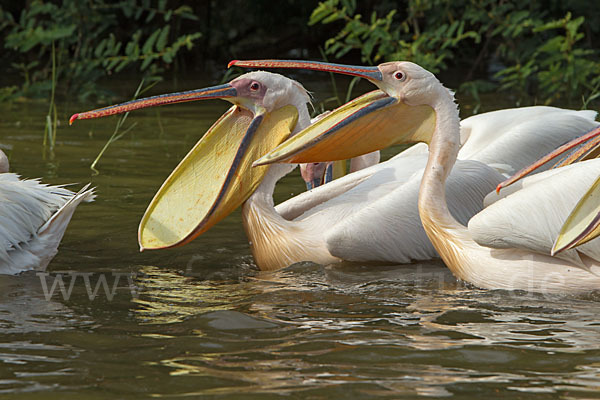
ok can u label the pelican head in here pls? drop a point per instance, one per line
(406, 81)
(400, 111)
(3, 162)
(258, 92)
(216, 176)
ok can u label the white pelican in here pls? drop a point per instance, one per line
(517, 226)
(320, 226)
(33, 220)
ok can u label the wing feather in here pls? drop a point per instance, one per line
(387, 227)
(511, 139)
(531, 218)
(25, 207)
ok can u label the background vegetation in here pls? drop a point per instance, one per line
(537, 52)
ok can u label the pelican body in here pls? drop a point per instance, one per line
(515, 255)
(33, 220)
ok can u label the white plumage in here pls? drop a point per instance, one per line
(511, 139)
(372, 215)
(33, 219)
(506, 245)
(529, 216)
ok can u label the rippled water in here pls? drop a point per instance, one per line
(201, 320)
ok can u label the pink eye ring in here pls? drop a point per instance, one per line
(254, 86)
(400, 76)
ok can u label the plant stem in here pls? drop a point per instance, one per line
(52, 117)
(116, 135)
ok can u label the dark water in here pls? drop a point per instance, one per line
(202, 321)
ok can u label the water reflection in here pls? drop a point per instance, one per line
(31, 358)
(167, 297)
(25, 309)
(372, 332)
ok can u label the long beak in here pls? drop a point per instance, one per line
(216, 176)
(371, 122)
(371, 73)
(214, 92)
(583, 224)
(589, 144)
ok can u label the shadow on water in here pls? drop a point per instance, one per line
(106, 321)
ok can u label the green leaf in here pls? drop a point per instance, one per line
(334, 16)
(150, 16)
(162, 39)
(100, 48)
(349, 5)
(167, 58)
(147, 48)
(146, 63)
(112, 63)
(122, 65)
(322, 11)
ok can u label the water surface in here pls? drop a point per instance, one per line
(202, 321)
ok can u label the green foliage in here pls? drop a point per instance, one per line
(92, 39)
(538, 51)
(391, 38)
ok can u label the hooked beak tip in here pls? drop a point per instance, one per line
(232, 63)
(73, 118)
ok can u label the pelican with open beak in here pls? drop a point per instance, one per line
(216, 176)
(507, 245)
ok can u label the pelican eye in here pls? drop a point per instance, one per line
(401, 76)
(254, 86)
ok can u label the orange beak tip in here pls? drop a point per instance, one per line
(498, 188)
(73, 118)
(232, 63)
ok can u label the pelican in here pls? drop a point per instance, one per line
(33, 219)
(321, 225)
(506, 246)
